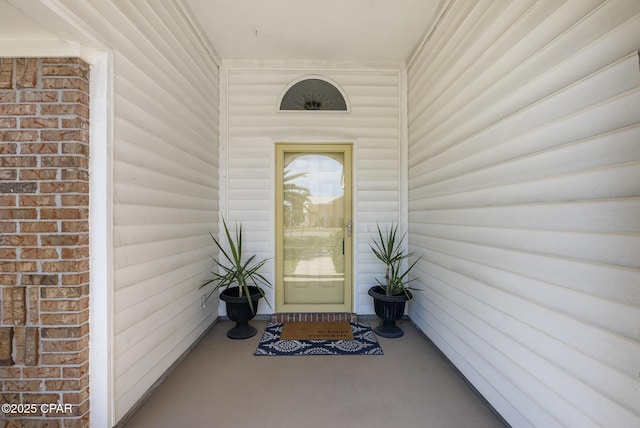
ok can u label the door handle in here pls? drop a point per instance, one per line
(349, 226)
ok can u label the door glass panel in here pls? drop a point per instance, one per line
(313, 232)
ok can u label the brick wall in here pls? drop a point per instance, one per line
(44, 239)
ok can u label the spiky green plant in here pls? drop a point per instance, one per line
(233, 270)
(388, 249)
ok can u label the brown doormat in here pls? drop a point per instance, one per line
(324, 330)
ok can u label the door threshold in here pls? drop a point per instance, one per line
(314, 317)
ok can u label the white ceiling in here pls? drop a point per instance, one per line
(330, 30)
(340, 30)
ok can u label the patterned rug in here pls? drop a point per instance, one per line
(364, 343)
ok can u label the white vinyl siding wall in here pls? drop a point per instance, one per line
(254, 126)
(165, 188)
(524, 201)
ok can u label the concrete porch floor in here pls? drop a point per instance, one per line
(222, 384)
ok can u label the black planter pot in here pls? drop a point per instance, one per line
(238, 310)
(389, 309)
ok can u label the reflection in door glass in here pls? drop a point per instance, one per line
(313, 217)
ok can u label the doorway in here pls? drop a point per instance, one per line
(313, 228)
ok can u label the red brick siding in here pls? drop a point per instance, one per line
(44, 238)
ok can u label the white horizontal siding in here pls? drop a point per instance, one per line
(253, 126)
(524, 202)
(165, 185)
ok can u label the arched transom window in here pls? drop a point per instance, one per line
(313, 93)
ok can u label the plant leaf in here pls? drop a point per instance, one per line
(232, 270)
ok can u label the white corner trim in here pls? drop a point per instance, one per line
(101, 243)
(223, 157)
(223, 142)
(403, 140)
